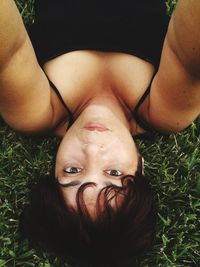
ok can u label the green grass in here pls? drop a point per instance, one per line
(172, 162)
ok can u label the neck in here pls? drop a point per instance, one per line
(105, 109)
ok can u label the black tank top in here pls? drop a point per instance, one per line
(136, 27)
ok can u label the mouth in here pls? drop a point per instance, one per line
(95, 127)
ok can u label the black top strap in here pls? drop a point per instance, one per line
(141, 121)
(70, 115)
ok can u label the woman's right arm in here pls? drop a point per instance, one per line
(25, 95)
(174, 101)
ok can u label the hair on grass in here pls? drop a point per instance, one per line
(115, 237)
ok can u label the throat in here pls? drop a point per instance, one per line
(106, 109)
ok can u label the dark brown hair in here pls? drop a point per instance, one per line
(116, 237)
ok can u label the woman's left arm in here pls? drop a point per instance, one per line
(174, 100)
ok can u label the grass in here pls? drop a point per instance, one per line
(173, 162)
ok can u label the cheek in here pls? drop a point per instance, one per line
(67, 146)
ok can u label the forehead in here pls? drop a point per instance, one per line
(89, 196)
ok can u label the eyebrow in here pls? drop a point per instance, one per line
(76, 182)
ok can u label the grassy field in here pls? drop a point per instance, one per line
(173, 162)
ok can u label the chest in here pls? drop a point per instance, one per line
(82, 75)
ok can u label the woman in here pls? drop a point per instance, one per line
(97, 81)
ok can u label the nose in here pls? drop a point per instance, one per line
(92, 150)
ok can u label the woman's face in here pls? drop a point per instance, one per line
(94, 153)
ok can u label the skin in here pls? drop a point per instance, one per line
(90, 155)
(101, 82)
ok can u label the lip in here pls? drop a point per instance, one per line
(95, 127)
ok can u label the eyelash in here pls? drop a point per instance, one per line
(67, 170)
(119, 173)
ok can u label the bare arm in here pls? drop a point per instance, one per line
(185, 35)
(25, 96)
(11, 34)
(174, 100)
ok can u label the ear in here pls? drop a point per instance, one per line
(142, 166)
